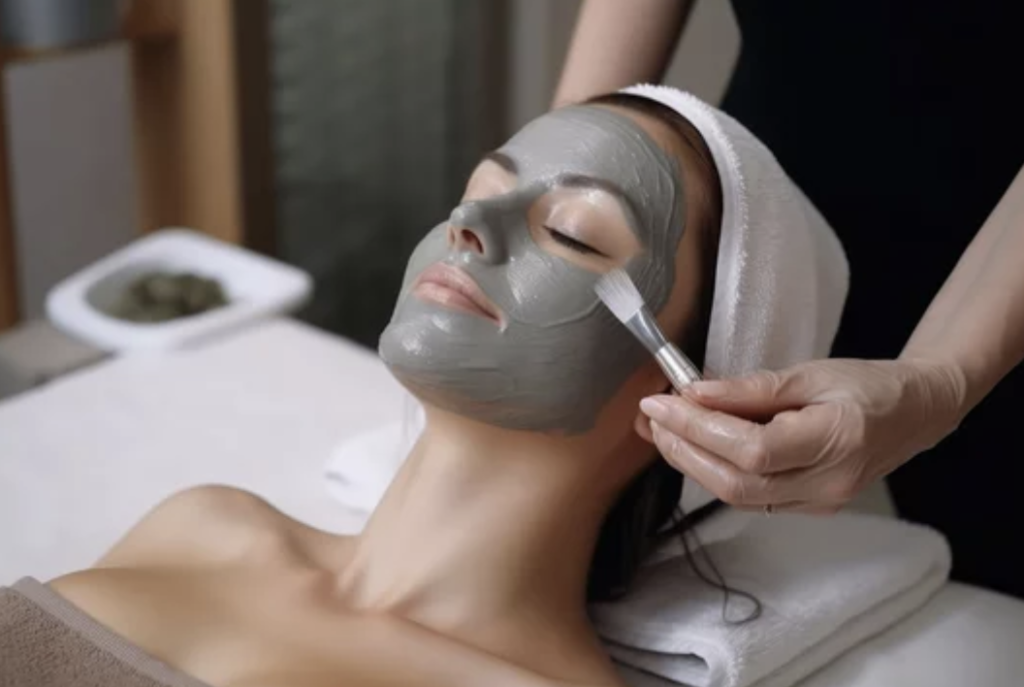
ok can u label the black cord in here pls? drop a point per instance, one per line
(685, 527)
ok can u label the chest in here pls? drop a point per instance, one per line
(238, 630)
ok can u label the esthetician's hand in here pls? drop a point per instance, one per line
(819, 432)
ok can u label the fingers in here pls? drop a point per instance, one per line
(804, 490)
(760, 395)
(722, 478)
(718, 432)
(815, 435)
(808, 455)
(792, 439)
(642, 426)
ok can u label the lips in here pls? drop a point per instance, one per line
(451, 287)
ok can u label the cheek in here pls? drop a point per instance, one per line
(685, 296)
(547, 291)
(616, 422)
(535, 288)
(432, 248)
(654, 278)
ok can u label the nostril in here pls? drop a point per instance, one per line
(471, 241)
(463, 239)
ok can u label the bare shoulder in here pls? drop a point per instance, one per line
(201, 525)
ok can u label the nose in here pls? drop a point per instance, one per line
(464, 239)
(469, 231)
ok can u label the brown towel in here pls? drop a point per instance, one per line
(45, 641)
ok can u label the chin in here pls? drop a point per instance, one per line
(473, 370)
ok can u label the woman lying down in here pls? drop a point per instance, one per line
(528, 495)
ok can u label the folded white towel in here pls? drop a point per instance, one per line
(824, 585)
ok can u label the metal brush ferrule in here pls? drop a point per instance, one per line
(681, 372)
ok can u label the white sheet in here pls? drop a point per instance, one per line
(82, 459)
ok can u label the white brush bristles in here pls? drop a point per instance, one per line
(617, 291)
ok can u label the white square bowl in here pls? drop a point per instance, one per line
(255, 286)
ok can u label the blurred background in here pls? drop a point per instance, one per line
(331, 134)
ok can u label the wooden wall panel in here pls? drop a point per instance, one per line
(197, 66)
(187, 122)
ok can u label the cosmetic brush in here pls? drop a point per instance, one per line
(618, 292)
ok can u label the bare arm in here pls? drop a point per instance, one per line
(975, 325)
(618, 43)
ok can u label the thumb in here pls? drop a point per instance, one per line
(760, 395)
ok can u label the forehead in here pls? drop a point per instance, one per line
(608, 147)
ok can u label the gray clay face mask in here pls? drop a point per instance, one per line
(560, 355)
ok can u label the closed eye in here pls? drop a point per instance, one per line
(571, 243)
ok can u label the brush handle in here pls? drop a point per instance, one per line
(677, 367)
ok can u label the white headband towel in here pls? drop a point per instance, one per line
(781, 277)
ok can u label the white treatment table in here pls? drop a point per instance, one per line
(84, 457)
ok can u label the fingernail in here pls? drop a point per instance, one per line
(709, 389)
(654, 408)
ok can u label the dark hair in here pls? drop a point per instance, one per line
(647, 512)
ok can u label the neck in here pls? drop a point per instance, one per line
(484, 537)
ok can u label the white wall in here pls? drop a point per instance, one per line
(71, 154)
(540, 35)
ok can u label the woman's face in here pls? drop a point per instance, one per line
(498, 320)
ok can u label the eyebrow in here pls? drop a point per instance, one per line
(568, 180)
(583, 181)
(502, 160)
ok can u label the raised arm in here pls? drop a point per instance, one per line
(976, 323)
(617, 43)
